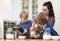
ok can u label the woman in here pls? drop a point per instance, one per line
(47, 9)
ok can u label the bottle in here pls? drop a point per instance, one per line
(34, 31)
(47, 34)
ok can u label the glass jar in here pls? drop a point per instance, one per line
(9, 33)
(47, 34)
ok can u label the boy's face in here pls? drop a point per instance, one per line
(23, 17)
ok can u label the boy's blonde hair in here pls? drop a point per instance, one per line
(41, 19)
(23, 12)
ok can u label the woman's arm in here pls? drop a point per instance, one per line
(51, 21)
(53, 32)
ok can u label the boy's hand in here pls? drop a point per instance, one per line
(31, 28)
(41, 32)
(36, 36)
(25, 31)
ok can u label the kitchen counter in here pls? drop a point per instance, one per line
(26, 40)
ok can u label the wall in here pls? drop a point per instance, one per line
(5, 12)
(16, 7)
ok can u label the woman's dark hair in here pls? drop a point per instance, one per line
(50, 8)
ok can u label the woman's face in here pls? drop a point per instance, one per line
(45, 10)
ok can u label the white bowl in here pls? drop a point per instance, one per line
(46, 36)
(21, 37)
(56, 37)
